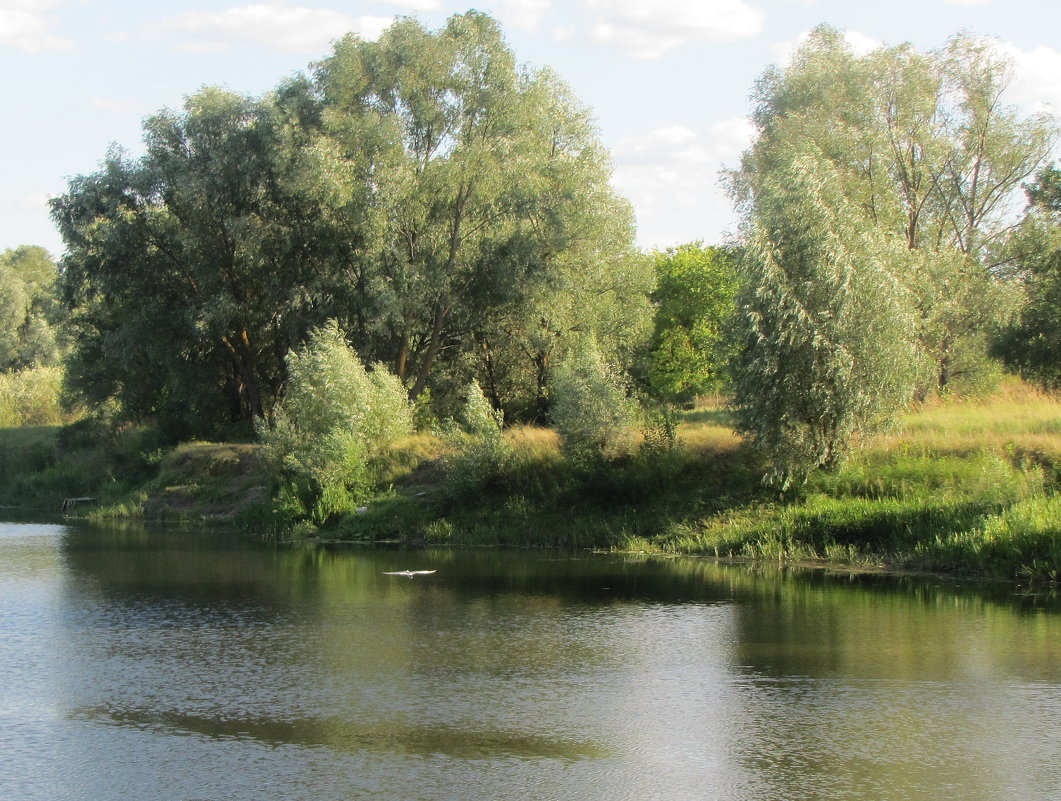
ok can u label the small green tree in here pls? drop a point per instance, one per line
(591, 409)
(695, 294)
(1031, 343)
(27, 309)
(478, 417)
(829, 351)
(334, 416)
(477, 449)
(30, 397)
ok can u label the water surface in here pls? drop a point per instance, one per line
(177, 664)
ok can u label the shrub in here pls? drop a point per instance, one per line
(334, 416)
(477, 449)
(477, 416)
(590, 408)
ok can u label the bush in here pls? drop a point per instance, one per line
(477, 417)
(477, 449)
(590, 408)
(334, 416)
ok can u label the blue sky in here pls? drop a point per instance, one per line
(668, 80)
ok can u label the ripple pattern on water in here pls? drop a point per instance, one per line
(188, 666)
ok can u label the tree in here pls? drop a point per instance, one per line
(422, 189)
(694, 299)
(591, 409)
(28, 312)
(875, 200)
(828, 350)
(191, 270)
(490, 201)
(1031, 343)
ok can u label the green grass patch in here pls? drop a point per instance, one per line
(967, 487)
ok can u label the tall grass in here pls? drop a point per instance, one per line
(40, 466)
(31, 397)
(961, 486)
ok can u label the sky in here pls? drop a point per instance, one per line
(668, 81)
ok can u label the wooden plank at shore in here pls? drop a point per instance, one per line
(71, 502)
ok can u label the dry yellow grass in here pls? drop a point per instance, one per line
(706, 429)
(533, 441)
(1017, 419)
(707, 438)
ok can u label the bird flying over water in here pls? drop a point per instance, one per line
(408, 573)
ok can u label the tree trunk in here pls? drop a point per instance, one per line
(433, 347)
(243, 357)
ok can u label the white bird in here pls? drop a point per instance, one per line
(408, 573)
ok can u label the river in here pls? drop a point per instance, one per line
(177, 664)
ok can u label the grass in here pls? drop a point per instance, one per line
(960, 487)
(970, 487)
(35, 472)
(966, 487)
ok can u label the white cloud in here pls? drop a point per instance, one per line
(648, 30)
(1037, 77)
(415, 5)
(968, 2)
(563, 33)
(526, 14)
(277, 27)
(26, 25)
(670, 172)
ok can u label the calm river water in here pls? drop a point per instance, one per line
(181, 665)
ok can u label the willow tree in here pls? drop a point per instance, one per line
(27, 309)
(417, 189)
(873, 200)
(190, 270)
(829, 344)
(489, 197)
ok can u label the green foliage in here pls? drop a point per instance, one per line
(591, 408)
(876, 200)
(828, 353)
(695, 300)
(333, 418)
(31, 397)
(451, 209)
(477, 450)
(478, 418)
(660, 430)
(1031, 343)
(491, 231)
(190, 271)
(28, 312)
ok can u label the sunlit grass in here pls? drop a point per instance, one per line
(959, 486)
(534, 443)
(1019, 419)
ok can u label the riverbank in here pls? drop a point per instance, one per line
(966, 487)
(963, 487)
